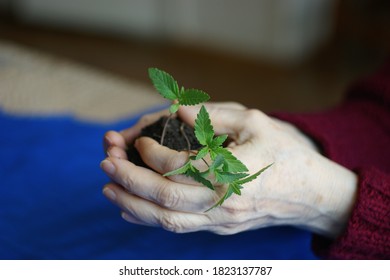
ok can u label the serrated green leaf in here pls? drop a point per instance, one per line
(254, 176)
(231, 163)
(202, 153)
(227, 194)
(217, 162)
(197, 176)
(193, 97)
(181, 92)
(236, 188)
(228, 177)
(204, 131)
(164, 83)
(218, 141)
(174, 107)
(213, 155)
(180, 170)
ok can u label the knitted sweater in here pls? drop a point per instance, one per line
(356, 134)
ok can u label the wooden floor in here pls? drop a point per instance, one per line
(317, 84)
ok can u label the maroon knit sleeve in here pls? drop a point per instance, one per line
(356, 134)
(368, 233)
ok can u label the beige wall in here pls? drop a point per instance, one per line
(277, 30)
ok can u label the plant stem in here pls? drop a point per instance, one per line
(165, 129)
(185, 137)
(205, 162)
(188, 142)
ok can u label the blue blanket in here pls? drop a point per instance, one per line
(51, 205)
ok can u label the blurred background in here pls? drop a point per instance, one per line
(88, 59)
(292, 55)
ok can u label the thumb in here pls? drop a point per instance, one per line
(226, 118)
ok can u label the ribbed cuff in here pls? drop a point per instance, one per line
(367, 235)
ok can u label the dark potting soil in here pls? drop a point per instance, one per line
(175, 137)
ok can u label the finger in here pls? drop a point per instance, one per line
(128, 218)
(160, 158)
(116, 152)
(225, 119)
(130, 134)
(111, 191)
(152, 186)
(229, 105)
(144, 212)
(113, 138)
(209, 106)
(163, 159)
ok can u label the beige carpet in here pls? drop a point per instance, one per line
(33, 83)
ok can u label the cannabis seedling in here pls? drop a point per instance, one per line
(224, 168)
(167, 86)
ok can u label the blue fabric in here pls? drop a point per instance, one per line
(51, 205)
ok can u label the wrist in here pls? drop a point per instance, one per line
(336, 198)
(334, 185)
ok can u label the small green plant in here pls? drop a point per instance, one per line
(224, 168)
(167, 86)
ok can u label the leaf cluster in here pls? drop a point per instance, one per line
(168, 87)
(224, 168)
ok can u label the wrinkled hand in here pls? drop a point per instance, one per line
(302, 188)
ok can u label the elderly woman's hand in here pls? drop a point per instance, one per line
(302, 188)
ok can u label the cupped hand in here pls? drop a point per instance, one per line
(302, 188)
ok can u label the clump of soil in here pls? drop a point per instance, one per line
(178, 136)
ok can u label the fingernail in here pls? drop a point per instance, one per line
(108, 167)
(128, 218)
(109, 153)
(106, 143)
(136, 142)
(108, 140)
(109, 194)
(124, 216)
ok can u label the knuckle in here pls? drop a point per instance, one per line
(256, 121)
(235, 215)
(169, 198)
(236, 105)
(254, 115)
(169, 222)
(128, 182)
